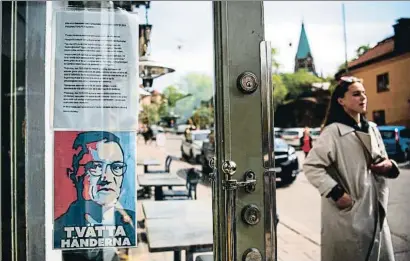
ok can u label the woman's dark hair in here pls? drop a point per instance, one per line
(335, 111)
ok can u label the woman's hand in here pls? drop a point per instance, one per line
(345, 201)
(382, 168)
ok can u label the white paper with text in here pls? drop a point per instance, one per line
(96, 70)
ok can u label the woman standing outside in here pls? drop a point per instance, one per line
(349, 166)
(306, 141)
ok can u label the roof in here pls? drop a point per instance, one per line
(382, 48)
(303, 47)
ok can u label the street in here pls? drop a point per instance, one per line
(299, 210)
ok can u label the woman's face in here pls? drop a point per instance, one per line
(355, 99)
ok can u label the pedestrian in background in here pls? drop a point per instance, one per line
(148, 134)
(306, 141)
(349, 166)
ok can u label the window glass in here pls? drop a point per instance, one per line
(114, 129)
(387, 134)
(382, 82)
(405, 133)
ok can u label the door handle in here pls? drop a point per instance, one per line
(267, 105)
(231, 186)
(268, 151)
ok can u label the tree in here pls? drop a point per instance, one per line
(359, 52)
(362, 49)
(201, 88)
(296, 83)
(150, 113)
(275, 63)
(163, 109)
(203, 117)
(279, 90)
(172, 94)
(200, 85)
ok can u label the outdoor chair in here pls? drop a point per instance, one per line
(192, 179)
(168, 161)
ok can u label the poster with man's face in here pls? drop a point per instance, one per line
(94, 189)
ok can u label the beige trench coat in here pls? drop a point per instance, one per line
(339, 157)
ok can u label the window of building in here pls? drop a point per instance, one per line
(383, 82)
(379, 117)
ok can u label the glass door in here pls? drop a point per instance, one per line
(190, 178)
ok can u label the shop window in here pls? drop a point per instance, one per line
(383, 82)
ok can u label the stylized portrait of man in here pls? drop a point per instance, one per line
(96, 218)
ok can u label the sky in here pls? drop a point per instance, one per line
(182, 33)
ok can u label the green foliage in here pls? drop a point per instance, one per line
(280, 91)
(359, 52)
(200, 85)
(362, 49)
(341, 67)
(150, 114)
(297, 83)
(203, 117)
(289, 85)
(201, 88)
(275, 63)
(172, 94)
(163, 109)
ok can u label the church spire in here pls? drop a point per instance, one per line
(304, 58)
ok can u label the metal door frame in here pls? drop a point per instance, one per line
(240, 47)
(24, 91)
(235, 27)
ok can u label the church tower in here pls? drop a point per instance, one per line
(304, 58)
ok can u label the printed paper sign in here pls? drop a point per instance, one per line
(94, 189)
(95, 70)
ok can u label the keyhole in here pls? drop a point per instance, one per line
(247, 82)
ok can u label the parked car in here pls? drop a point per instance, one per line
(156, 130)
(180, 129)
(396, 139)
(408, 154)
(208, 151)
(191, 147)
(286, 160)
(292, 136)
(314, 133)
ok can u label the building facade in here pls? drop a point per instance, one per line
(385, 72)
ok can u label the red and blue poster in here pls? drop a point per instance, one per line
(94, 189)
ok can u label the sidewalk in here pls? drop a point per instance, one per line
(294, 244)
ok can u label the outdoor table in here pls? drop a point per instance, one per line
(149, 162)
(158, 181)
(177, 232)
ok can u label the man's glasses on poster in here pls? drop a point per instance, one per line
(97, 168)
